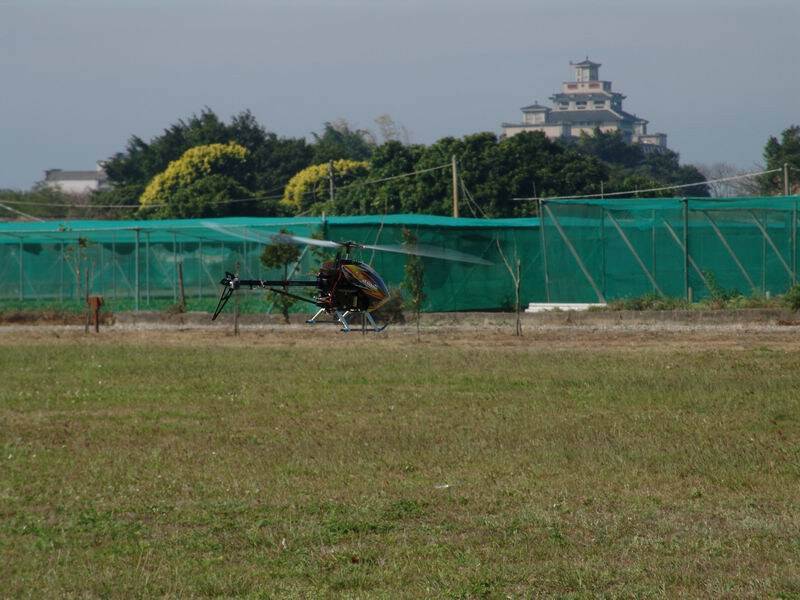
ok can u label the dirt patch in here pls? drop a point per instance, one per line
(49, 317)
(542, 338)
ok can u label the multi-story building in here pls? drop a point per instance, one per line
(583, 105)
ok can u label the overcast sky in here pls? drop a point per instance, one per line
(79, 77)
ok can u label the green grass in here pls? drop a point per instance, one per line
(384, 469)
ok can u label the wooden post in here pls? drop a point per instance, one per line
(181, 292)
(93, 304)
(785, 179)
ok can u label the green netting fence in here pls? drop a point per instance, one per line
(134, 264)
(580, 251)
(602, 250)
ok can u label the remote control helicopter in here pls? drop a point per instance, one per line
(345, 288)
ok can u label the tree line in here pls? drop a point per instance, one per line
(203, 166)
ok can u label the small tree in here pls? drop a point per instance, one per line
(77, 257)
(414, 278)
(280, 256)
(513, 266)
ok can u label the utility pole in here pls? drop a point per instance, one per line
(785, 179)
(455, 186)
(330, 178)
(602, 192)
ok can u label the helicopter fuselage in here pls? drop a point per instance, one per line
(345, 284)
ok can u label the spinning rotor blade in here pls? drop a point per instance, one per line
(285, 238)
(416, 249)
(429, 251)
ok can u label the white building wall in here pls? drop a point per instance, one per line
(76, 187)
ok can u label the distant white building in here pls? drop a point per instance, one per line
(582, 106)
(76, 182)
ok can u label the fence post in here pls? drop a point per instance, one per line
(543, 244)
(575, 255)
(147, 266)
(677, 240)
(686, 248)
(200, 270)
(635, 254)
(61, 270)
(731, 253)
(114, 266)
(136, 273)
(603, 243)
(768, 240)
(654, 264)
(794, 243)
(174, 268)
(764, 255)
(21, 281)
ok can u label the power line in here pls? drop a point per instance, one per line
(20, 213)
(657, 189)
(128, 206)
(373, 181)
(231, 201)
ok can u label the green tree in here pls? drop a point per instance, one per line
(309, 190)
(611, 147)
(339, 140)
(280, 256)
(625, 160)
(389, 160)
(200, 183)
(272, 160)
(776, 154)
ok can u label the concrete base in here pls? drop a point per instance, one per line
(537, 307)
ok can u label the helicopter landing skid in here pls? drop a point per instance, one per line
(343, 319)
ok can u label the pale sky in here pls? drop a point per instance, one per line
(80, 76)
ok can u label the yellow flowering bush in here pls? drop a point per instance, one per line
(195, 164)
(310, 185)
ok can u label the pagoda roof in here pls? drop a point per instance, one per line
(535, 107)
(585, 63)
(632, 117)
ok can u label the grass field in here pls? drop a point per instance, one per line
(311, 464)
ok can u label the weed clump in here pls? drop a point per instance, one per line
(792, 297)
(649, 302)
